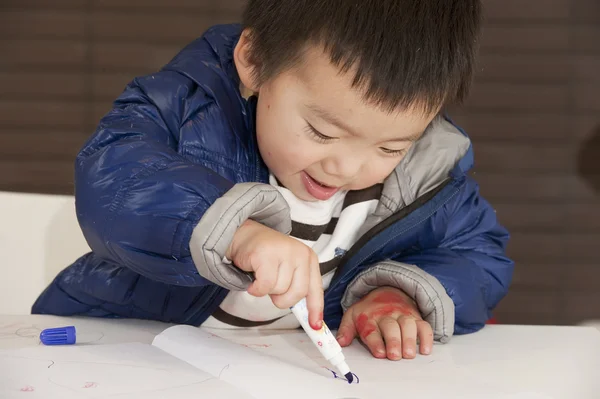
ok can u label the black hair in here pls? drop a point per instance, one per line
(403, 53)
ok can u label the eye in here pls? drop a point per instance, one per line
(393, 153)
(321, 138)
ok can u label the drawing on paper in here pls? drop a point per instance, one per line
(90, 384)
(256, 345)
(96, 368)
(336, 376)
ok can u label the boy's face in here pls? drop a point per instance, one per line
(317, 135)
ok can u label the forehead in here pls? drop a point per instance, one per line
(322, 85)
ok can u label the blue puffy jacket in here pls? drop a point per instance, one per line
(178, 140)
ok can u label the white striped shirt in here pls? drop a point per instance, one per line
(329, 227)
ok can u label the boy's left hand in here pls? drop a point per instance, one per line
(388, 322)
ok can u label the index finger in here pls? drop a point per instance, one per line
(314, 297)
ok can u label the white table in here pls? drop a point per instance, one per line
(534, 362)
(39, 236)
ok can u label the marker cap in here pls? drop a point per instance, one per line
(58, 336)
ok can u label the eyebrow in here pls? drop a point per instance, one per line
(334, 120)
(410, 139)
(329, 117)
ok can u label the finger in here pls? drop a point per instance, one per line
(409, 336)
(392, 336)
(265, 277)
(285, 277)
(371, 336)
(314, 298)
(347, 330)
(296, 291)
(425, 334)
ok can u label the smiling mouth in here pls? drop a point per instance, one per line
(321, 184)
(318, 189)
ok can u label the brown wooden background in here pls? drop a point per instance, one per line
(535, 101)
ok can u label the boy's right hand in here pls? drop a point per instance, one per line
(284, 268)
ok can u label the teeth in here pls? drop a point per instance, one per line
(319, 183)
(322, 185)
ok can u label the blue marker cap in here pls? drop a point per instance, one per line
(58, 336)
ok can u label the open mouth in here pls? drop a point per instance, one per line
(318, 189)
(321, 184)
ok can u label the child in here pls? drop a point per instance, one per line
(301, 155)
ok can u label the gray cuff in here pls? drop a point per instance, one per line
(436, 307)
(213, 234)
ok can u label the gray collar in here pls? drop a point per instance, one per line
(426, 165)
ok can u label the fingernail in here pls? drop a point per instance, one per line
(410, 352)
(340, 337)
(318, 325)
(426, 350)
(395, 353)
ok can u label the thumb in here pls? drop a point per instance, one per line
(347, 330)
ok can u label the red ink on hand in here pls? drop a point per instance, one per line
(394, 302)
(388, 310)
(27, 388)
(388, 297)
(318, 325)
(90, 385)
(363, 326)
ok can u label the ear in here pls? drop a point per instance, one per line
(243, 62)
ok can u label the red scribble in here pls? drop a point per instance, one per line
(27, 388)
(394, 302)
(90, 385)
(363, 326)
(302, 341)
(318, 325)
(389, 297)
(385, 310)
(370, 329)
(256, 345)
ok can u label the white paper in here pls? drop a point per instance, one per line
(260, 375)
(131, 370)
(502, 362)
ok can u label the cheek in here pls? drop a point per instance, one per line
(376, 171)
(385, 167)
(282, 144)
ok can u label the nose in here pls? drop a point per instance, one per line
(344, 166)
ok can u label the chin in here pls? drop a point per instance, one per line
(304, 196)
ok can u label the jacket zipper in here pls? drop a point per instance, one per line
(378, 228)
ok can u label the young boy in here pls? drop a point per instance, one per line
(301, 155)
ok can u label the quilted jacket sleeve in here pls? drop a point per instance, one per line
(471, 263)
(137, 198)
(459, 282)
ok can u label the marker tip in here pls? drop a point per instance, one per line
(349, 377)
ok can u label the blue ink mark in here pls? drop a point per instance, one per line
(339, 252)
(335, 375)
